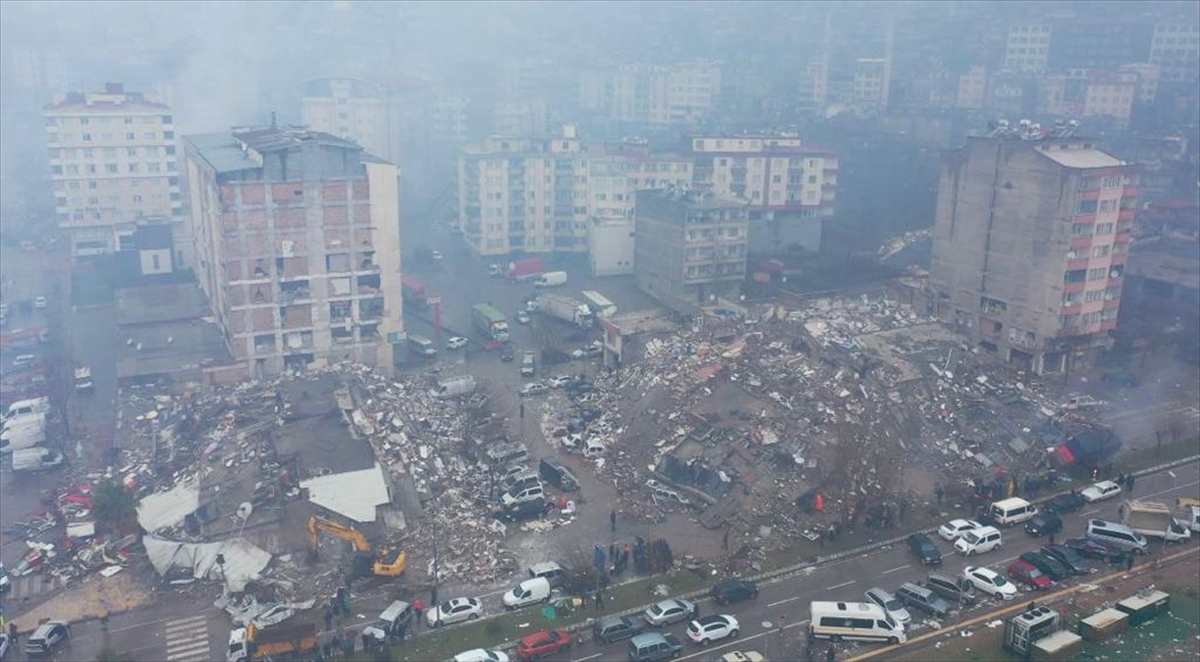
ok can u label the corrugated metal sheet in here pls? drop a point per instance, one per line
(244, 561)
(168, 508)
(354, 494)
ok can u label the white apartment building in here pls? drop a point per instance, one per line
(681, 93)
(870, 83)
(353, 109)
(791, 187)
(113, 164)
(1027, 48)
(1175, 48)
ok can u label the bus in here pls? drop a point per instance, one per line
(853, 620)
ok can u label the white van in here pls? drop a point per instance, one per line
(1117, 535)
(528, 592)
(25, 407)
(391, 622)
(853, 620)
(978, 541)
(1012, 511)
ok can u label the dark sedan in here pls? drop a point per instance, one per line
(1064, 503)
(1093, 549)
(1068, 557)
(734, 590)
(1053, 568)
(923, 547)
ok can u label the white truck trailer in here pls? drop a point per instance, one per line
(1154, 520)
(565, 308)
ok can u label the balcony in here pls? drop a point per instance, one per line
(1084, 241)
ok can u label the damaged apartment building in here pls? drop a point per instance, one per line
(1029, 248)
(298, 246)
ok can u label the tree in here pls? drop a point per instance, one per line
(113, 504)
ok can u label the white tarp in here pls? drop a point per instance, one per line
(244, 561)
(168, 508)
(354, 494)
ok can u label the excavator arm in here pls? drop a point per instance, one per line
(317, 525)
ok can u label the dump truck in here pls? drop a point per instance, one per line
(1154, 520)
(284, 640)
(551, 279)
(525, 269)
(564, 308)
(491, 322)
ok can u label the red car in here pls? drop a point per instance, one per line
(542, 644)
(1024, 572)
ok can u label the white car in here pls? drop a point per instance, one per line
(592, 349)
(522, 317)
(953, 530)
(532, 388)
(669, 611)
(40, 302)
(990, 582)
(456, 342)
(481, 655)
(739, 656)
(890, 604)
(437, 255)
(454, 611)
(708, 629)
(558, 381)
(1105, 489)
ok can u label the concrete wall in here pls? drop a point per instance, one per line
(611, 246)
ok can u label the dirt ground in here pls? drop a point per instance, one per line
(121, 592)
(1175, 636)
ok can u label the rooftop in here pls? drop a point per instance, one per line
(114, 99)
(1082, 158)
(695, 198)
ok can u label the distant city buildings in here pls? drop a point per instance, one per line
(682, 93)
(790, 187)
(357, 110)
(298, 247)
(690, 246)
(1030, 244)
(113, 167)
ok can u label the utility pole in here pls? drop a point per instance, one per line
(436, 579)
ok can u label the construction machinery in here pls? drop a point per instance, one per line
(386, 562)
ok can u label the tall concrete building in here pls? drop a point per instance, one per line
(113, 164)
(298, 246)
(660, 94)
(1030, 245)
(357, 110)
(791, 187)
(690, 245)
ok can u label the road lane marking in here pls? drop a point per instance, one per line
(830, 588)
(590, 657)
(1172, 489)
(886, 572)
(783, 601)
(739, 640)
(1090, 512)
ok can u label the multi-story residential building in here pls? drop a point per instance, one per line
(812, 90)
(38, 69)
(1175, 48)
(113, 164)
(1028, 47)
(520, 118)
(298, 247)
(870, 83)
(1030, 244)
(1111, 95)
(1103, 42)
(790, 187)
(972, 88)
(690, 245)
(445, 118)
(353, 109)
(682, 93)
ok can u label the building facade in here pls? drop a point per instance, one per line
(667, 94)
(690, 245)
(791, 187)
(353, 109)
(1029, 247)
(113, 165)
(298, 247)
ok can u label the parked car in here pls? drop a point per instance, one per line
(40, 302)
(47, 637)
(733, 590)
(708, 629)
(1066, 502)
(671, 611)
(1044, 524)
(558, 381)
(1068, 557)
(919, 597)
(527, 364)
(653, 646)
(923, 547)
(454, 611)
(950, 531)
(456, 342)
(890, 604)
(522, 317)
(506, 354)
(1094, 549)
(1105, 489)
(532, 388)
(991, 582)
(615, 628)
(481, 655)
(1050, 567)
(594, 348)
(1026, 573)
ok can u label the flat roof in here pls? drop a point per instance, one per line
(1082, 158)
(221, 151)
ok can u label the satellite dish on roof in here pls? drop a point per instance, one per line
(244, 510)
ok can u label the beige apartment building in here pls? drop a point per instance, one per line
(1030, 244)
(113, 166)
(357, 110)
(298, 247)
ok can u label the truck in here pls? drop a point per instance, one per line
(23, 432)
(564, 308)
(599, 304)
(525, 269)
(35, 459)
(1154, 520)
(551, 279)
(278, 641)
(83, 379)
(414, 291)
(452, 386)
(491, 322)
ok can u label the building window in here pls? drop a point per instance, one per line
(87, 137)
(1094, 295)
(1081, 230)
(1075, 276)
(1100, 251)
(1098, 273)
(110, 168)
(130, 136)
(1104, 228)
(1086, 207)
(1107, 206)
(1111, 182)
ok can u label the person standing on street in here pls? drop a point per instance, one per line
(612, 520)
(12, 633)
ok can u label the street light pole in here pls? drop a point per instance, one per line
(436, 579)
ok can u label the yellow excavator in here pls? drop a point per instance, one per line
(383, 563)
